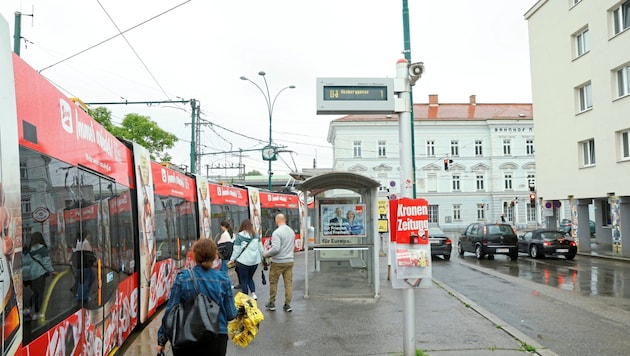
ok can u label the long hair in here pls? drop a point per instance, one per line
(226, 224)
(38, 238)
(205, 252)
(246, 225)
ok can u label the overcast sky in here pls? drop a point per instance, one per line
(201, 48)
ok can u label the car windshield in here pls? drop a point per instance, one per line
(500, 229)
(552, 235)
(435, 231)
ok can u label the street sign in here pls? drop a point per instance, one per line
(355, 95)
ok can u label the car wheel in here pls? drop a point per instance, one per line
(447, 257)
(514, 256)
(479, 252)
(569, 257)
(460, 249)
(533, 251)
(491, 257)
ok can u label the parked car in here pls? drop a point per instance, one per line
(441, 244)
(542, 242)
(489, 239)
(565, 226)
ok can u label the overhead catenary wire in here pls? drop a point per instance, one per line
(112, 37)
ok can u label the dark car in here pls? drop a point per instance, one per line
(565, 226)
(540, 243)
(441, 244)
(489, 239)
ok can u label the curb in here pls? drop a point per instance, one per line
(518, 335)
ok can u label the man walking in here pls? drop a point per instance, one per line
(282, 242)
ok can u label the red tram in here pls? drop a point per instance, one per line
(62, 174)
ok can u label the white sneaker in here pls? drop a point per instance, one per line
(254, 296)
(26, 312)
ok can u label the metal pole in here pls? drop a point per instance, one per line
(406, 177)
(193, 147)
(407, 52)
(270, 104)
(17, 33)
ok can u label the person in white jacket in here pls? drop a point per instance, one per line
(247, 254)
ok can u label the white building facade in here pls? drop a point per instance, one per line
(489, 149)
(580, 64)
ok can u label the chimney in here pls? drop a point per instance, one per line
(473, 99)
(433, 100)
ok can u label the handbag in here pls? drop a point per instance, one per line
(193, 321)
(240, 253)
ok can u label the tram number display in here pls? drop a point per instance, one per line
(355, 93)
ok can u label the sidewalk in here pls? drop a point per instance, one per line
(446, 324)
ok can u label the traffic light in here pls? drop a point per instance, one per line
(446, 162)
(532, 199)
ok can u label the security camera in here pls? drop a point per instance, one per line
(415, 72)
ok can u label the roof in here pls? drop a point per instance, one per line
(455, 112)
(338, 180)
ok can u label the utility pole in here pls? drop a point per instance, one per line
(407, 52)
(17, 31)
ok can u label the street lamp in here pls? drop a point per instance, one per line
(269, 152)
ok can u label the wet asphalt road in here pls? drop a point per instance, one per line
(579, 307)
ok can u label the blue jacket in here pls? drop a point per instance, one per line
(213, 283)
(250, 256)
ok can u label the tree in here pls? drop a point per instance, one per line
(253, 173)
(140, 129)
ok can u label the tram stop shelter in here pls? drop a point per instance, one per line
(355, 270)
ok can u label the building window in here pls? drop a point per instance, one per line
(481, 212)
(381, 148)
(508, 181)
(529, 146)
(480, 185)
(531, 212)
(531, 180)
(432, 182)
(26, 205)
(357, 149)
(454, 148)
(507, 147)
(581, 43)
(455, 182)
(478, 148)
(588, 153)
(585, 97)
(457, 212)
(430, 148)
(434, 214)
(623, 81)
(624, 144)
(23, 170)
(621, 17)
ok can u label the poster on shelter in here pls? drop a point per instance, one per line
(343, 220)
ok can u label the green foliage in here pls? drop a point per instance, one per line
(527, 347)
(253, 173)
(139, 129)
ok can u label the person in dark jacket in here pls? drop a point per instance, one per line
(213, 283)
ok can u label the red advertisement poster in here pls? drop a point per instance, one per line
(171, 183)
(409, 221)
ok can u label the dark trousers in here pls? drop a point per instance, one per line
(38, 285)
(246, 274)
(85, 278)
(216, 347)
